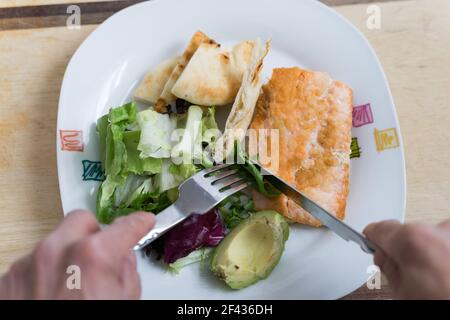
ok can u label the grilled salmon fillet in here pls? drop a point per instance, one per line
(313, 115)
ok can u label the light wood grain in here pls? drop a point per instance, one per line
(23, 3)
(57, 15)
(32, 65)
(413, 46)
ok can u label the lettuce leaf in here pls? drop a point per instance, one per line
(189, 149)
(123, 115)
(182, 172)
(156, 131)
(111, 132)
(262, 186)
(210, 133)
(105, 211)
(235, 209)
(102, 130)
(198, 255)
(134, 163)
(165, 180)
(209, 120)
(116, 155)
(151, 201)
(115, 150)
(115, 159)
(124, 191)
(136, 194)
(135, 148)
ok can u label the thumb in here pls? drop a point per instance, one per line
(126, 231)
(382, 234)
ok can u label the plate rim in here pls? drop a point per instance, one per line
(321, 6)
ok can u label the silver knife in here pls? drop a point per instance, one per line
(339, 227)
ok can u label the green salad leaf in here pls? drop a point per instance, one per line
(166, 180)
(124, 191)
(209, 121)
(123, 115)
(121, 162)
(152, 201)
(113, 152)
(182, 172)
(189, 148)
(156, 131)
(196, 256)
(102, 130)
(210, 134)
(235, 209)
(136, 150)
(262, 186)
(135, 164)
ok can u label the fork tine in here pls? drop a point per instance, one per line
(215, 168)
(222, 175)
(228, 182)
(235, 189)
(197, 194)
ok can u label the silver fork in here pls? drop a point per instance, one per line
(198, 194)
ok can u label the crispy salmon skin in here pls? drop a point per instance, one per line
(313, 114)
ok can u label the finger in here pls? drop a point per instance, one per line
(382, 234)
(445, 225)
(132, 258)
(390, 269)
(75, 226)
(129, 278)
(379, 258)
(20, 272)
(125, 232)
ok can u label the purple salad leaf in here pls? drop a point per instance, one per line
(197, 231)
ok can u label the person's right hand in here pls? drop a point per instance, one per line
(104, 258)
(414, 257)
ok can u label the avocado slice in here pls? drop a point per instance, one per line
(251, 250)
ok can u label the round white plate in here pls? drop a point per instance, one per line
(113, 59)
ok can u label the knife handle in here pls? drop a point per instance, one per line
(365, 244)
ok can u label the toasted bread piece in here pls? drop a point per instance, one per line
(244, 105)
(154, 80)
(313, 114)
(167, 97)
(214, 74)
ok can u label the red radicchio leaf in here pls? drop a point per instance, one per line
(196, 231)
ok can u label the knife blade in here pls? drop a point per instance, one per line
(339, 227)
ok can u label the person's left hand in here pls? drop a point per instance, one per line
(104, 259)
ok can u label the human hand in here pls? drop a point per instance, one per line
(414, 257)
(105, 259)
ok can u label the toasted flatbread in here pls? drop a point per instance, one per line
(244, 105)
(313, 114)
(213, 75)
(152, 85)
(166, 96)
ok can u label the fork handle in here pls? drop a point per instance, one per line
(165, 220)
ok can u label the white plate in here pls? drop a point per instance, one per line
(113, 59)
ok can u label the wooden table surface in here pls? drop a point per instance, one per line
(413, 45)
